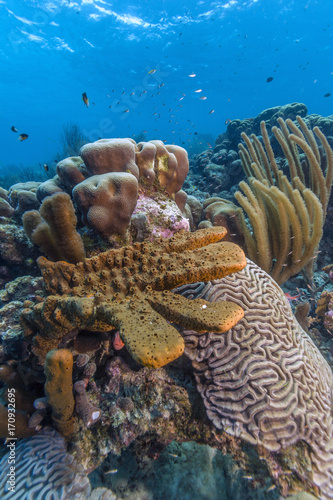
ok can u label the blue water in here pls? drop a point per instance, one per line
(53, 51)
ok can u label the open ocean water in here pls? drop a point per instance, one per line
(246, 55)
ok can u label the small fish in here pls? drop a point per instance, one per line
(290, 297)
(271, 488)
(203, 98)
(192, 75)
(113, 471)
(152, 71)
(144, 132)
(23, 137)
(161, 85)
(269, 79)
(211, 111)
(117, 342)
(85, 99)
(14, 129)
(326, 95)
(198, 90)
(227, 121)
(126, 111)
(46, 167)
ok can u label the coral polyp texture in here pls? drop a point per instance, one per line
(129, 289)
(264, 380)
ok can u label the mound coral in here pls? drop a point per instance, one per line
(105, 181)
(264, 380)
(107, 201)
(128, 289)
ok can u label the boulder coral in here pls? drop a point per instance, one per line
(104, 182)
(110, 155)
(128, 289)
(71, 171)
(107, 202)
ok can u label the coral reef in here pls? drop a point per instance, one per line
(324, 310)
(128, 288)
(189, 471)
(86, 410)
(264, 380)
(105, 180)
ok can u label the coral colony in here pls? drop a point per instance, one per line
(152, 308)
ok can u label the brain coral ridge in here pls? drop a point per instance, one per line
(129, 289)
(264, 380)
(44, 469)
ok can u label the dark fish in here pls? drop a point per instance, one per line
(85, 99)
(46, 167)
(23, 137)
(14, 129)
(328, 94)
(269, 79)
(211, 111)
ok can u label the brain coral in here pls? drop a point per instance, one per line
(264, 380)
(44, 469)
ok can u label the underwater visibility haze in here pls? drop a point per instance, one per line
(166, 264)
(247, 56)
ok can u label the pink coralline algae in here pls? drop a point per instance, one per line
(157, 217)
